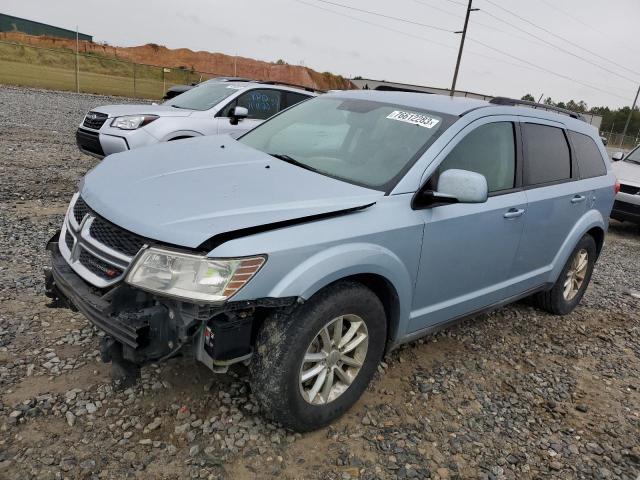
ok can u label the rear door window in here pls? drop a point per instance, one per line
(547, 158)
(489, 150)
(590, 161)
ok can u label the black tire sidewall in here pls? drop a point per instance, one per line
(304, 324)
(560, 304)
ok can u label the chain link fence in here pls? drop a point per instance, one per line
(617, 140)
(63, 69)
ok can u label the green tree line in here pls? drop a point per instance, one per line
(612, 119)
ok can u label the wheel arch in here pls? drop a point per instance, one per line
(591, 223)
(386, 293)
(375, 267)
(597, 233)
(181, 134)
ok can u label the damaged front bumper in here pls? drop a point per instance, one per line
(148, 327)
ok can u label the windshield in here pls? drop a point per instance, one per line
(204, 96)
(634, 156)
(368, 143)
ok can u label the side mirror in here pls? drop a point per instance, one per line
(463, 185)
(616, 157)
(237, 114)
(454, 186)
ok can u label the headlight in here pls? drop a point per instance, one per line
(131, 122)
(192, 277)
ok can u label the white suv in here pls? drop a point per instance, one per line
(214, 107)
(627, 169)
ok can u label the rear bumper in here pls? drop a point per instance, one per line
(625, 211)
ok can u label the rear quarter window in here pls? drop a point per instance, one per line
(547, 158)
(590, 161)
(291, 98)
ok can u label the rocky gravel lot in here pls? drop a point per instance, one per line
(516, 394)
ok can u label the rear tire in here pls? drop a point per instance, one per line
(294, 370)
(573, 281)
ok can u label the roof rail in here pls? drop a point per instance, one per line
(552, 108)
(232, 79)
(275, 82)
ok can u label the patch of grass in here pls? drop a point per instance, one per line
(56, 69)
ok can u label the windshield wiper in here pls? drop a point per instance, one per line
(637, 162)
(293, 161)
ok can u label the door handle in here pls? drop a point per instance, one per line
(514, 212)
(578, 199)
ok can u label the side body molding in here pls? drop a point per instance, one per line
(346, 260)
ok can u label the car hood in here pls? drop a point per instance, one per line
(627, 172)
(161, 110)
(184, 193)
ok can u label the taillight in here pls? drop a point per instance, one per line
(617, 187)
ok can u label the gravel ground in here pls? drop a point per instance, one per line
(514, 394)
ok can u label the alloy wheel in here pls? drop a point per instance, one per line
(576, 274)
(333, 359)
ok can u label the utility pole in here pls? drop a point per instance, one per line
(77, 63)
(464, 34)
(626, 125)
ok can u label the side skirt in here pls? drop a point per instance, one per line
(448, 323)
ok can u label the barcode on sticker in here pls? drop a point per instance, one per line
(414, 118)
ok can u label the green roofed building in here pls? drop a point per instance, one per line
(9, 23)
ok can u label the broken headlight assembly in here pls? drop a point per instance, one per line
(192, 277)
(132, 122)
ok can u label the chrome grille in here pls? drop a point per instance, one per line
(99, 251)
(94, 120)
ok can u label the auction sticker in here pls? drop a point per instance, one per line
(414, 118)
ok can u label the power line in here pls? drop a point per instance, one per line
(572, 17)
(547, 70)
(434, 27)
(540, 41)
(418, 37)
(566, 40)
(475, 22)
(575, 19)
(557, 47)
(458, 3)
(530, 65)
(401, 32)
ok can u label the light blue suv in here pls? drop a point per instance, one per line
(330, 234)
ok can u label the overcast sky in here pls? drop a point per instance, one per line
(352, 43)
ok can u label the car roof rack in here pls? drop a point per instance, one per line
(275, 82)
(551, 108)
(232, 79)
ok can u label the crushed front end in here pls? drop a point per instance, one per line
(90, 260)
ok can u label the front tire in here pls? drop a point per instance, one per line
(568, 290)
(311, 365)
